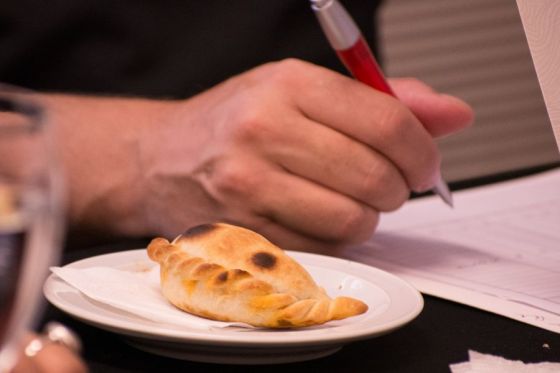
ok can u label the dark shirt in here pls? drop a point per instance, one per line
(171, 48)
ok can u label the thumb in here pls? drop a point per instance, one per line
(440, 114)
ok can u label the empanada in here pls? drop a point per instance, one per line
(228, 273)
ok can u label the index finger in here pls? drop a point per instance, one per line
(373, 118)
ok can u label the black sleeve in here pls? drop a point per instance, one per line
(171, 48)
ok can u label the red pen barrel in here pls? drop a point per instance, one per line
(359, 60)
(346, 39)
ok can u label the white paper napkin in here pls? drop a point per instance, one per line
(483, 363)
(137, 292)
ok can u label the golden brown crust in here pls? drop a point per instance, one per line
(229, 273)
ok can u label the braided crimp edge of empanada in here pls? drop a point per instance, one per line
(277, 310)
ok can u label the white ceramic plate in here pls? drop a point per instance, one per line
(392, 303)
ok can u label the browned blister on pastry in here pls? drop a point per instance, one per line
(228, 273)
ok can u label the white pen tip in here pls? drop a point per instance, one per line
(442, 190)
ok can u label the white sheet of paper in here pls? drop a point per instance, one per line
(497, 250)
(542, 28)
(484, 363)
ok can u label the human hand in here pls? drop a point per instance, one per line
(52, 358)
(301, 154)
(440, 114)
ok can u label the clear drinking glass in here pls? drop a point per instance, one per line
(31, 218)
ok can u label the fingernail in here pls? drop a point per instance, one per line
(428, 185)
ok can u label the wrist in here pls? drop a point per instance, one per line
(170, 151)
(100, 141)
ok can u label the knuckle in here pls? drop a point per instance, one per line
(396, 199)
(353, 224)
(234, 180)
(384, 188)
(289, 66)
(395, 122)
(249, 124)
(367, 225)
(285, 73)
(376, 178)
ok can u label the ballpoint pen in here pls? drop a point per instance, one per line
(345, 38)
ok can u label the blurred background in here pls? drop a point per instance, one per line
(476, 50)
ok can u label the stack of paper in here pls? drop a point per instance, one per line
(498, 249)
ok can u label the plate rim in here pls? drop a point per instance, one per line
(300, 336)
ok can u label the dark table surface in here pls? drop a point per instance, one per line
(441, 335)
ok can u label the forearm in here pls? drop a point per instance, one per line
(99, 141)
